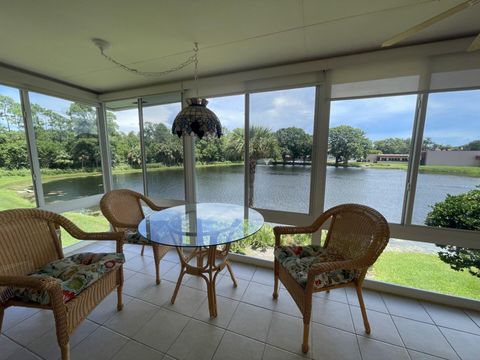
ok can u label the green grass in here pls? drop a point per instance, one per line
(426, 272)
(89, 221)
(471, 171)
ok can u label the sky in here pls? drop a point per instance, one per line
(452, 118)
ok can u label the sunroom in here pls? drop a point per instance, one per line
(316, 110)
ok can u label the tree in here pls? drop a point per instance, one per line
(472, 146)
(346, 142)
(458, 212)
(84, 118)
(10, 113)
(393, 146)
(294, 142)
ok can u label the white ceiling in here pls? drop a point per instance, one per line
(53, 37)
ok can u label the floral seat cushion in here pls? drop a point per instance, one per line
(74, 273)
(297, 260)
(132, 236)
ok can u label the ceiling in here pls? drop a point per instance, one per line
(53, 37)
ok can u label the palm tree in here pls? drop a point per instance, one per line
(263, 144)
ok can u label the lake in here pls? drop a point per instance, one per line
(281, 187)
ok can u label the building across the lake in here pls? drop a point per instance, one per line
(433, 157)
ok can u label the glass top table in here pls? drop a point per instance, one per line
(207, 229)
(202, 224)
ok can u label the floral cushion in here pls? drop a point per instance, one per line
(297, 260)
(74, 273)
(133, 237)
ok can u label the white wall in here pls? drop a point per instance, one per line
(453, 158)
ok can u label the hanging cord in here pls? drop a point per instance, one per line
(192, 59)
(195, 62)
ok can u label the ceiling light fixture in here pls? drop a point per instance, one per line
(196, 118)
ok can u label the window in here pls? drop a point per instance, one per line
(450, 162)
(219, 162)
(68, 148)
(418, 265)
(368, 153)
(124, 139)
(89, 220)
(164, 152)
(281, 138)
(16, 190)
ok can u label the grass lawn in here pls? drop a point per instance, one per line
(424, 271)
(90, 222)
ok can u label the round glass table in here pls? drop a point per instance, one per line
(208, 229)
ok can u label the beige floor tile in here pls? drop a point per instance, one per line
(238, 347)
(143, 287)
(335, 295)
(405, 307)
(138, 263)
(107, 308)
(372, 299)
(8, 347)
(243, 271)
(47, 346)
(424, 338)
(332, 313)
(416, 355)
(198, 341)
(23, 354)
(162, 330)
(188, 301)
(260, 295)
(272, 353)
(474, 315)
(381, 325)
(333, 344)
(100, 345)
(133, 316)
(225, 288)
(451, 318)
(225, 310)
(15, 315)
(286, 332)
(263, 276)
(466, 345)
(377, 350)
(251, 321)
(172, 274)
(31, 328)
(134, 350)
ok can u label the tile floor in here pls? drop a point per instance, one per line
(250, 325)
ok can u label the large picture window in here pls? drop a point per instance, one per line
(219, 162)
(16, 190)
(281, 138)
(369, 143)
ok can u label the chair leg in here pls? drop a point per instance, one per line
(306, 331)
(177, 287)
(119, 289)
(362, 308)
(143, 250)
(156, 257)
(275, 280)
(230, 270)
(65, 351)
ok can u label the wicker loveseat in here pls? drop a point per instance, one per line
(35, 273)
(356, 237)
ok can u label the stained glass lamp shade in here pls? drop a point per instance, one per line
(196, 118)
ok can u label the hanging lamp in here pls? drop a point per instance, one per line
(196, 118)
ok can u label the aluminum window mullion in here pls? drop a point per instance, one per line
(246, 137)
(104, 148)
(142, 146)
(189, 171)
(32, 148)
(415, 156)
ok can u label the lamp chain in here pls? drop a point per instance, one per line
(191, 59)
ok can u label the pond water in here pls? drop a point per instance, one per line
(281, 187)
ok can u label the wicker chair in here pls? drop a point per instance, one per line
(356, 237)
(29, 241)
(123, 209)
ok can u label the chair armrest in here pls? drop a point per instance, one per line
(151, 204)
(38, 283)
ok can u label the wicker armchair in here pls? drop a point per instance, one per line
(123, 209)
(356, 237)
(31, 250)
